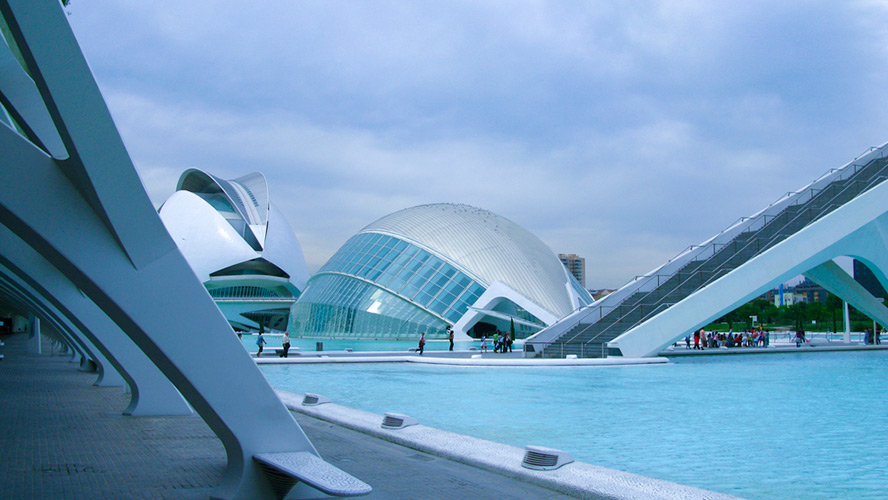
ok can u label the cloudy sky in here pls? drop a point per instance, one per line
(620, 131)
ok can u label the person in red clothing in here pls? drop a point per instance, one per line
(421, 343)
(696, 339)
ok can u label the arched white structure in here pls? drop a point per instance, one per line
(424, 268)
(239, 245)
(69, 191)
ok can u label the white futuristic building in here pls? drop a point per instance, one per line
(424, 268)
(239, 245)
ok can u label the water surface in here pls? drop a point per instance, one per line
(780, 426)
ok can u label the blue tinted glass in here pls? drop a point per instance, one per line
(440, 279)
(462, 281)
(422, 256)
(397, 283)
(409, 290)
(448, 271)
(422, 298)
(453, 315)
(437, 306)
(385, 277)
(417, 280)
(446, 297)
(426, 273)
(401, 245)
(413, 266)
(406, 256)
(434, 262)
(454, 288)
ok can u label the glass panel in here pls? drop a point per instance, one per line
(438, 306)
(409, 290)
(422, 298)
(401, 245)
(397, 283)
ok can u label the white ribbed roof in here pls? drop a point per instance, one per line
(486, 245)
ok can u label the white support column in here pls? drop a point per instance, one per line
(846, 322)
(34, 342)
(836, 281)
(120, 361)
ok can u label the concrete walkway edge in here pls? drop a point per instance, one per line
(576, 479)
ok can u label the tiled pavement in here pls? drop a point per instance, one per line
(63, 438)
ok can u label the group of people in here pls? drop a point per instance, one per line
(501, 342)
(422, 340)
(870, 338)
(755, 337)
(285, 343)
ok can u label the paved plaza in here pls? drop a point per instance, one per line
(62, 437)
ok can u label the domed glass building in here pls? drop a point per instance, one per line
(428, 267)
(239, 245)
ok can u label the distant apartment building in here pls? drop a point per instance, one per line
(866, 278)
(812, 292)
(575, 265)
(806, 291)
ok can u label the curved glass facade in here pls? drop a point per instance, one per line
(342, 306)
(408, 271)
(407, 291)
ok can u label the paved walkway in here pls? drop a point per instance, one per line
(61, 437)
(777, 348)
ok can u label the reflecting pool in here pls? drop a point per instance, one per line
(774, 426)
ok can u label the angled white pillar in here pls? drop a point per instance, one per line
(34, 340)
(111, 245)
(152, 392)
(836, 281)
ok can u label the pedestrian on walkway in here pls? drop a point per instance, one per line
(260, 342)
(421, 343)
(285, 343)
(450, 337)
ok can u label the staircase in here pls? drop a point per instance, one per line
(586, 334)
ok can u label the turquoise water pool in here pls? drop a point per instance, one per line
(782, 426)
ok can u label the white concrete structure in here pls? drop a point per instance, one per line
(799, 233)
(423, 268)
(857, 229)
(239, 245)
(70, 193)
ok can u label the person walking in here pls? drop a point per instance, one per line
(450, 337)
(260, 342)
(285, 343)
(421, 343)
